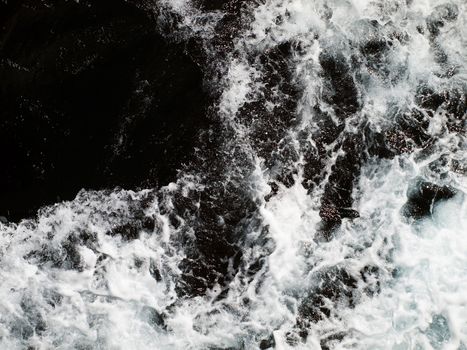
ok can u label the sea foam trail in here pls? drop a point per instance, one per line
(336, 193)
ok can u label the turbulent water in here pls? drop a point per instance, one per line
(323, 208)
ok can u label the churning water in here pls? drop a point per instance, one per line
(324, 209)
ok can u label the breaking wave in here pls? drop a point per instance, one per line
(324, 207)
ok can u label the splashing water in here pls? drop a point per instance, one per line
(325, 208)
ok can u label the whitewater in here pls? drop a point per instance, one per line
(327, 211)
